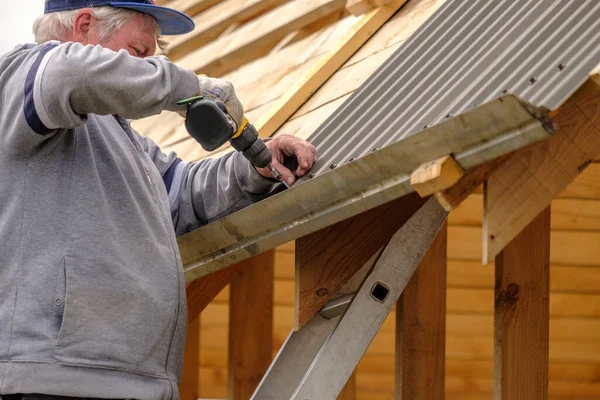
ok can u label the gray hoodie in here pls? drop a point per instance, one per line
(92, 297)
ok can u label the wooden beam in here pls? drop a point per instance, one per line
(202, 291)
(189, 389)
(257, 37)
(250, 326)
(435, 176)
(531, 177)
(359, 7)
(452, 197)
(326, 259)
(215, 21)
(192, 7)
(286, 105)
(521, 314)
(421, 327)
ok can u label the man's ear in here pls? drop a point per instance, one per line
(82, 26)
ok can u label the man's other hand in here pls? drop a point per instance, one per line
(284, 146)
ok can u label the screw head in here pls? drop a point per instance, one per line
(351, 159)
(561, 66)
(532, 80)
(332, 166)
(322, 292)
(505, 91)
(311, 175)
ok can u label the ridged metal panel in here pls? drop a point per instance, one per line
(468, 53)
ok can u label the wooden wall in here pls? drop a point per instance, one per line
(575, 247)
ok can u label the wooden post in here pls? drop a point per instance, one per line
(190, 382)
(250, 325)
(521, 314)
(421, 327)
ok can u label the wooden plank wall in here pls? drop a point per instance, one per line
(574, 368)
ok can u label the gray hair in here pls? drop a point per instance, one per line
(56, 25)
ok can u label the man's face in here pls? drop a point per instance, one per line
(135, 36)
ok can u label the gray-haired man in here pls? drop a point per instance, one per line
(92, 299)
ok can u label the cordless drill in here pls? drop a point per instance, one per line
(208, 121)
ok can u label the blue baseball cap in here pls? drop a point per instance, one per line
(171, 22)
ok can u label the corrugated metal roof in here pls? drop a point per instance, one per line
(468, 53)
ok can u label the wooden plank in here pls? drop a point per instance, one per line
(192, 7)
(299, 93)
(436, 176)
(421, 327)
(256, 38)
(521, 314)
(529, 180)
(349, 391)
(189, 388)
(471, 180)
(359, 7)
(250, 326)
(213, 22)
(326, 259)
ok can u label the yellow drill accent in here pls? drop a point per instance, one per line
(239, 132)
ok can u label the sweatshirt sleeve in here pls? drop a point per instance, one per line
(67, 81)
(200, 192)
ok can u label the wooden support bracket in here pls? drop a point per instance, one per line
(435, 176)
(526, 183)
(326, 259)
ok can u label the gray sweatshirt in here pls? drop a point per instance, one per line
(92, 297)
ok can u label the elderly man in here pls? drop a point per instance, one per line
(92, 299)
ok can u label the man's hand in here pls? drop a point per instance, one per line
(290, 146)
(224, 91)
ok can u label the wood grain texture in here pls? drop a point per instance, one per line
(529, 180)
(326, 259)
(202, 291)
(215, 21)
(256, 38)
(452, 197)
(192, 7)
(521, 314)
(436, 176)
(359, 7)
(289, 103)
(250, 326)
(421, 327)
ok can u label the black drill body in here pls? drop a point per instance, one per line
(208, 122)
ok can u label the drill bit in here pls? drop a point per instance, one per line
(277, 175)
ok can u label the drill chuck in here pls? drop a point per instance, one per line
(252, 147)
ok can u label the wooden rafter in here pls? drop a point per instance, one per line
(326, 259)
(531, 177)
(285, 106)
(257, 37)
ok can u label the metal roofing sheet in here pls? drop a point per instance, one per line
(468, 53)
